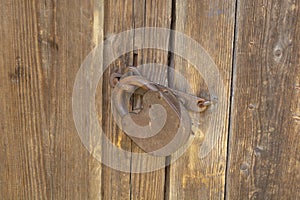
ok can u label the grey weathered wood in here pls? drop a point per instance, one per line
(264, 142)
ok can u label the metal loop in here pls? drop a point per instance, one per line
(114, 79)
(129, 85)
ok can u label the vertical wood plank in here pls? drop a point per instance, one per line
(150, 14)
(120, 185)
(23, 123)
(43, 155)
(95, 167)
(73, 168)
(264, 147)
(118, 17)
(210, 23)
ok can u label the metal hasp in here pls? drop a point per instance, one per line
(162, 123)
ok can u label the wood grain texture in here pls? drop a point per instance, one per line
(122, 16)
(45, 43)
(118, 17)
(150, 14)
(211, 24)
(264, 144)
(23, 174)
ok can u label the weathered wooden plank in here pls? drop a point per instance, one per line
(137, 14)
(71, 28)
(118, 17)
(210, 23)
(264, 159)
(45, 43)
(150, 14)
(23, 172)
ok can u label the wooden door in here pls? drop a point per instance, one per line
(255, 45)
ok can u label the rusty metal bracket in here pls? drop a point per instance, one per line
(191, 102)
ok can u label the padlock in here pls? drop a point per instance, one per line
(162, 125)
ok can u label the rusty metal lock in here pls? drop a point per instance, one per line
(190, 102)
(161, 126)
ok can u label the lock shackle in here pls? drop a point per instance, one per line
(125, 87)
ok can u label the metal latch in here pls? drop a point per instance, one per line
(161, 123)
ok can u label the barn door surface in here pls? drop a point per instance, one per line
(250, 58)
